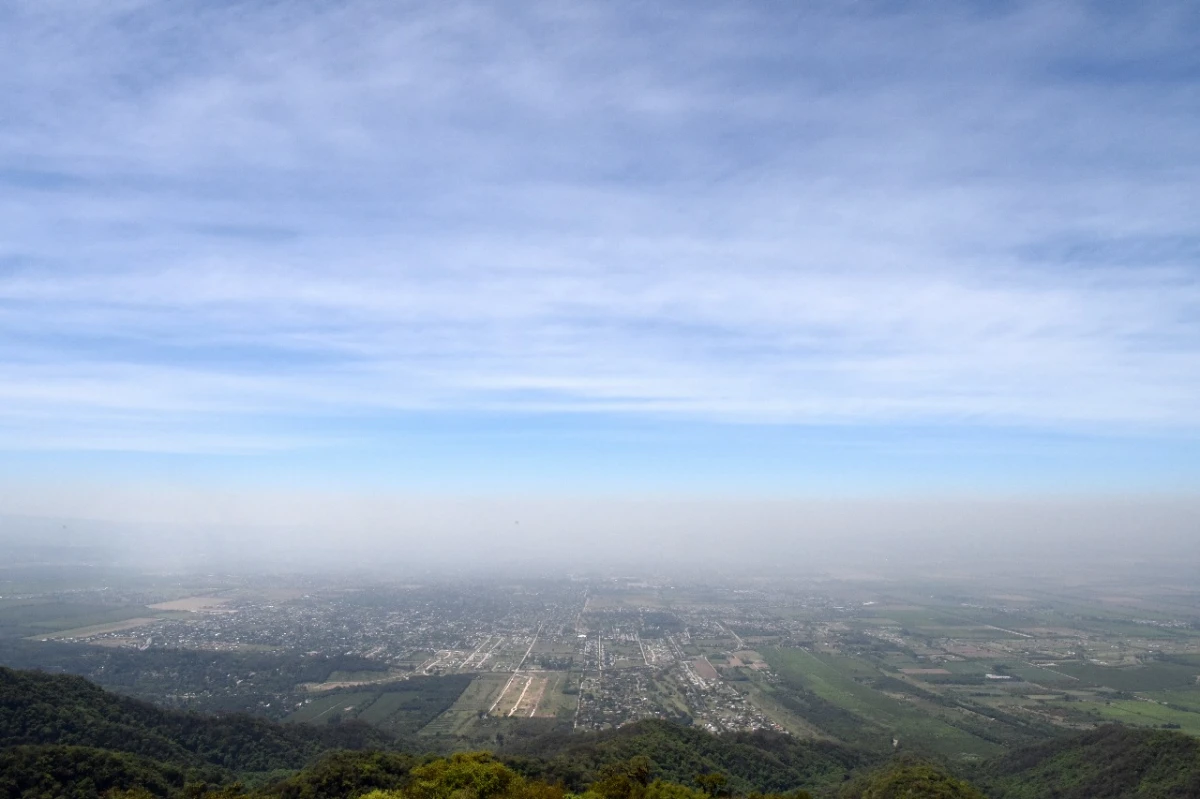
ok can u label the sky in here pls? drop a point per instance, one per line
(756, 250)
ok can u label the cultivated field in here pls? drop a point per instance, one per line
(98, 629)
(402, 707)
(193, 604)
(470, 706)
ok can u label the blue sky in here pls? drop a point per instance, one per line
(752, 247)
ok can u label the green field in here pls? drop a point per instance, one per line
(467, 709)
(1189, 699)
(21, 620)
(555, 703)
(1186, 659)
(335, 705)
(1148, 714)
(401, 707)
(833, 679)
(1051, 677)
(764, 698)
(1151, 677)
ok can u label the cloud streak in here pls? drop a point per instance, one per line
(729, 212)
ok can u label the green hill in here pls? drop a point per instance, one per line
(1106, 763)
(79, 772)
(62, 737)
(909, 780)
(64, 711)
(759, 761)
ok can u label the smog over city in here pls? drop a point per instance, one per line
(601, 400)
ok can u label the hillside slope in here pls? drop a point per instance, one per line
(63, 710)
(759, 761)
(61, 736)
(79, 772)
(1106, 763)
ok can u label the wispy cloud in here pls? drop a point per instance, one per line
(826, 213)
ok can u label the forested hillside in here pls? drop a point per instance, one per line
(262, 683)
(50, 771)
(759, 761)
(64, 724)
(61, 736)
(1107, 763)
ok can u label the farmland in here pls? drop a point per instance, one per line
(837, 681)
(956, 670)
(403, 707)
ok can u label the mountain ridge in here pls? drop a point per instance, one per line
(62, 737)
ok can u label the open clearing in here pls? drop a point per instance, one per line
(514, 695)
(98, 629)
(402, 707)
(469, 707)
(833, 679)
(36, 619)
(705, 669)
(555, 703)
(1151, 677)
(1148, 714)
(319, 710)
(530, 698)
(379, 679)
(193, 604)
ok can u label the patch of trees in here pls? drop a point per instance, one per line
(835, 720)
(906, 779)
(1109, 762)
(40, 709)
(76, 772)
(759, 761)
(347, 774)
(659, 624)
(750, 631)
(209, 681)
(422, 700)
(63, 737)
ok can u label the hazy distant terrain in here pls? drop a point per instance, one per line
(960, 669)
(674, 400)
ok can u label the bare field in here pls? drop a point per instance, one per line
(552, 701)
(602, 601)
(193, 604)
(555, 702)
(530, 698)
(705, 669)
(334, 684)
(535, 695)
(97, 629)
(470, 706)
(514, 693)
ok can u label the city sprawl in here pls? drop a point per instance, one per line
(961, 671)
